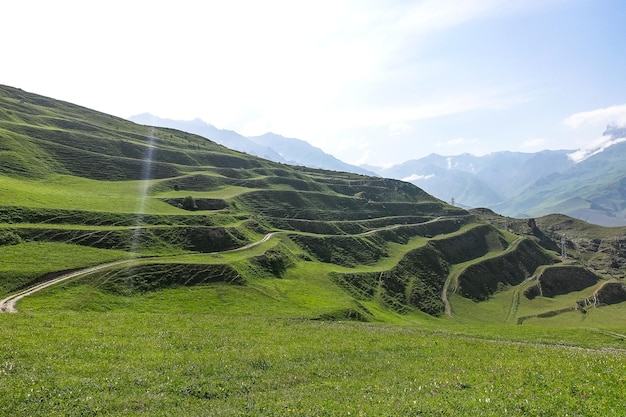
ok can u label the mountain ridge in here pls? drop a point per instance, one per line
(271, 146)
(520, 184)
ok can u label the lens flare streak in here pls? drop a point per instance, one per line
(144, 184)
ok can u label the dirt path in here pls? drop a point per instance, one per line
(452, 277)
(510, 315)
(444, 297)
(250, 245)
(397, 226)
(7, 305)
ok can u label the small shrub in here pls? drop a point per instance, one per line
(189, 203)
(7, 237)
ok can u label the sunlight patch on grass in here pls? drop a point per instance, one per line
(74, 193)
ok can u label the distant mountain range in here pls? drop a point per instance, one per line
(479, 181)
(587, 184)
(270, 146)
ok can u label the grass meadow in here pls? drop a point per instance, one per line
(123, 363)
(220, 350)
(274, 347)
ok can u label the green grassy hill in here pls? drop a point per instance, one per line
(78, 181)
(182, 230)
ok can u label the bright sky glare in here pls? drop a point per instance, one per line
(376, 82)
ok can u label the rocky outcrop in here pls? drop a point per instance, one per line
(610, 293)
(481, 280)
(561, 280)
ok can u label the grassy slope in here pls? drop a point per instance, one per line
(246, 198)
(243, 198)
(70, 175)
(75, 193)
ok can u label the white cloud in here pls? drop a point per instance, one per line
(280, 65)
(417, 177)
(608, 115)
(594, 147)
(366, 155)
(613, 115)
(432, 15)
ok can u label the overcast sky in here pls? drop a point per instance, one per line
(376, 82)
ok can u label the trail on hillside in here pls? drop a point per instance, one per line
(398, 226)
(7, 305)
(250, 245)
(444, 297)
(514, 304)
(452, 277)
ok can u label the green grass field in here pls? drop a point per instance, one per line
(73, 193)
(197, 362)
(263, 349)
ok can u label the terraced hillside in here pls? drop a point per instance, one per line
(80, 188)
(588, 275)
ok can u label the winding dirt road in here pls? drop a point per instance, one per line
(7, 305)
(452, 278)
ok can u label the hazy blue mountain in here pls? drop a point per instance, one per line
(299, 152)
(479, 181)
(228, 138)
(589, 184)
(270, 146)
(593, 190)
(436, 177)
